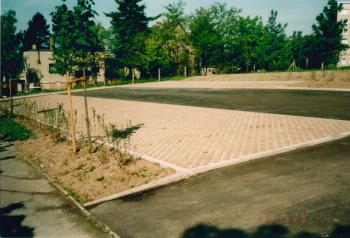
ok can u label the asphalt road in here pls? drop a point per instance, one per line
(323, 104)
(303, 191)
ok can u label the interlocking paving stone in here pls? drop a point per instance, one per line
(193, 137)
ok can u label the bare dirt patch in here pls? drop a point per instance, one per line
(86, 176)
(312, 79)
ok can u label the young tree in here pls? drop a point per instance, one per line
(130, 26)
(76, 47)
(328, 34)
(37, 33)
(157, 57)
(11, 49)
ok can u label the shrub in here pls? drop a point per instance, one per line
(33, 76)
(12, 131)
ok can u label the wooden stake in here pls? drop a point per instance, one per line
(11, 99)
(87, 119)
(159, 74)
(133, 75)
(71, 113)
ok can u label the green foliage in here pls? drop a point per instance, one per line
(130, 26)
(12, 130)
(328, 35)
(33, 75)
(11, 48)
(37, 33)
(76, 41)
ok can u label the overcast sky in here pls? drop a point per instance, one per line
(299, 14)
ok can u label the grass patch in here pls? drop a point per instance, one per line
(13, 131)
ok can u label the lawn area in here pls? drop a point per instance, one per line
(334, 105)
(12, 131)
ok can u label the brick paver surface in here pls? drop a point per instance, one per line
(193, 137)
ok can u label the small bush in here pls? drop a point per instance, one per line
(33, 76)
(13, 131)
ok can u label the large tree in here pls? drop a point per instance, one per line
(11, 49)
(130, 26)
(328, 34)
(37, 33)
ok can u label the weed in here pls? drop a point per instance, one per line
(73, 194)
(101, 178)
(92, 168)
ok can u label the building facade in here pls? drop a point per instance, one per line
(345, 15)
(43, 62)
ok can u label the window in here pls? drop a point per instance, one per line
(52, 68)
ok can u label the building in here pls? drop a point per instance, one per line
(345, 15)
(43, 62)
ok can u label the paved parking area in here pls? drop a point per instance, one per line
(199, 139)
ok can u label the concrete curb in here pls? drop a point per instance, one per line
(185, 173)
(85, 212)
(156, 184)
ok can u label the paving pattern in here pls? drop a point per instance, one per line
(193, 138)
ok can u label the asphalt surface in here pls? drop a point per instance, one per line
(31, 207)
(310, 103)
(302, 191)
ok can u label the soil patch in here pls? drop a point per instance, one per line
(86, 176)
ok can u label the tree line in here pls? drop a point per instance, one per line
(218, 37)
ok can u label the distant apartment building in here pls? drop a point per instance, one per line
(345, 15)
(43, 62)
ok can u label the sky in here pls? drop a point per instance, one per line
(299, 14)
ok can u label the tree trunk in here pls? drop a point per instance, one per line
(87, 119)
(185, 72)
(1, 86)
(39, 62)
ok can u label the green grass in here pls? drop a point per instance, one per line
(13, 131)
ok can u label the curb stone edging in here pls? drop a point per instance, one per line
(186, 173)
(105, 228)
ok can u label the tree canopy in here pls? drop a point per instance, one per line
(37, 33)
(11, 47)
(76, 40)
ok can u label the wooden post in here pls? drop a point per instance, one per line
(11, 99)
(307, 62)
(133, 75)
(185, 71)
(87, 119)
(71, 113)
(159, 74)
